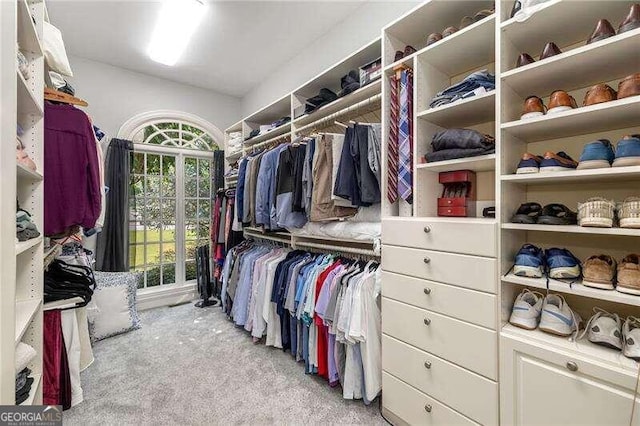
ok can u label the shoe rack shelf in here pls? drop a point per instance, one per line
(575, 288)
(579, 67)
(575, 70)
(617, 114)
(22, 102)
(573, 229)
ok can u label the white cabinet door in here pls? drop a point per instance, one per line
(545, 389)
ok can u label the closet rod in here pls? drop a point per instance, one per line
(337, 248)
(265, 143)
(373, 99)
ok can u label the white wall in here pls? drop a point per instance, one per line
(351, 33)
(115, 95)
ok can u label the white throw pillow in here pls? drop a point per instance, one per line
(54, 51)
(24, 355)
(115, 309)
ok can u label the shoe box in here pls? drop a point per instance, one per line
(458, 194)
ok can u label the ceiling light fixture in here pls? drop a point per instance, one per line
(176, 24)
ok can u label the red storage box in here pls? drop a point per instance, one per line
(458, 195)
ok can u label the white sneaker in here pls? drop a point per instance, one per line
(526, 309)
(557, 317)
(631, 336)
(604, 329)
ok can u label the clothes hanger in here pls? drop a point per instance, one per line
(58, 96)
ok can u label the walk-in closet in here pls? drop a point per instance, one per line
(320, 212)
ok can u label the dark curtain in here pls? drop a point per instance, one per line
(218, 170)
(113, 242)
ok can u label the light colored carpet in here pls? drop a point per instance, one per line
(191, 366)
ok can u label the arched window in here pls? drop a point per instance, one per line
(170, 194)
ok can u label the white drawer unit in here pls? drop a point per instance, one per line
(544, 384)
(459, 388)
(465, 344)
(468, 305)
(410, 406)
(477, 273)
(467, 236)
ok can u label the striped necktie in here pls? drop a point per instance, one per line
(405, 138)
(392, 145)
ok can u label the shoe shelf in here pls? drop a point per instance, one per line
(611, 115)
(576, 68)
(34, 389)
(630, 173)
(24, 246)
(25, 312)
(576, 289)
(573, 229)
(482, 163)
(27, 102)
(352, 98)
(604, 356)
(28, 174)
(406, 61)
(464, 50)
(562, 22)
(467, 112)
(27, 33)
(430, 17)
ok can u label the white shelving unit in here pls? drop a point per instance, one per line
(21, 263)
(571, 365)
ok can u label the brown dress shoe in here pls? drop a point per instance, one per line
(399, 55)
(482, 14)
(433, 37)
(466, 21)
(629, 86)
(524, 59)
(550, 49)
(448, 31)
(598, 94)
(533, 107)
(409, 50)
(632, 21)
(561, 101)
(602, 30)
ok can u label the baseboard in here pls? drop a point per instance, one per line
(153, 298)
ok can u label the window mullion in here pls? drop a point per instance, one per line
(180, 233)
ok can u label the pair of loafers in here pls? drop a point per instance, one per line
(464, 22)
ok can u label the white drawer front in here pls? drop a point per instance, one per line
(477, 237)
(467, 345)
(477, 273)
(416, 408)
(468, 305)
(460, 389)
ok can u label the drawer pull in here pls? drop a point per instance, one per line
(427, 229)
(572, 366)
(427, 260)
(427, 321)
(427, 365)
(427, 290)
(427, 408)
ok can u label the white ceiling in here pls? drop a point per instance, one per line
(236, 46)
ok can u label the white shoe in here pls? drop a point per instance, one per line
(526, 309)
(557, 317)
(631, 337)
(604, 329)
